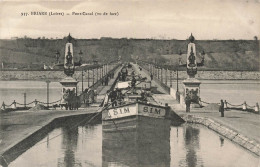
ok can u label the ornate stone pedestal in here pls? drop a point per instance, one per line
(192, 89)
(69, 86)
(192, 85)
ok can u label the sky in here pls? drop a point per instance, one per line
(160, 19)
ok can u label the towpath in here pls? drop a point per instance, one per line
(245, 123)
(18, 125)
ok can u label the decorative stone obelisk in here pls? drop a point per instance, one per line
(69, 84)
(191, 84)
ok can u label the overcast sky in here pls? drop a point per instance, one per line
(175, 19)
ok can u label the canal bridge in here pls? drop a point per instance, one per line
(18, 128)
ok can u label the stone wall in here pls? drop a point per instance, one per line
(41, 75)
(232, 135)
(219, 75)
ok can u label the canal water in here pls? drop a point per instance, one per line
(189, 145)
(234, 91)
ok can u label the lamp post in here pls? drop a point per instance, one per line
(57, 56)
(80, 55)
(102, 71)
(170, 78)
(162, 74)
(177, 80)
(93, 81)
(24, 99)
(97, 74)
(166, 77)
(180, 53)
(88, 78)
(82, 88)
(48, 82)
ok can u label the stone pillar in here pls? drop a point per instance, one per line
(256, 107)
(225, 105)
(13, 105)
(171, 78)
(3, 106)
(244, 106)
(35, 102)
(166, 77)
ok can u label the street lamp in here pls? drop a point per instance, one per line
(57, 56)
(180, 53)
(24, 99)
(80, 55)
(48, 82)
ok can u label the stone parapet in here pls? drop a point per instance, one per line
(232, 135)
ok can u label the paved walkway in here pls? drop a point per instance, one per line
(16, 126)
(143, 73)
(102, 93)
(245, 123)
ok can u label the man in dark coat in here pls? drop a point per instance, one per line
(151, 76)
(119, 76)
(221, 108)
(113, 97)
(187, 102)
(133, 82)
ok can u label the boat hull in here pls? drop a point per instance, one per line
(136, 141)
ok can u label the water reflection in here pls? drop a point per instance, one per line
(192, 145)
(188, 145)
(148, 150)
(221, 141)
(69, 145)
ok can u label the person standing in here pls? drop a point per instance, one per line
(151, 76)
(133, 82)
(106, 80)
(221, 108)
(106, 99)
(187, 102)
(113, 97)
(119, 76)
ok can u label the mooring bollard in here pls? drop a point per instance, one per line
(14, 105)
(256, 107)
(225, 105)
(244, 106)
(3, 106)
(35, 102)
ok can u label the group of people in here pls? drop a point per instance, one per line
(188, 103)
(115, 97)
(89, 96)
(105, 80)
(123, 74)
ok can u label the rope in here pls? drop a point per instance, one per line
(235, 105)
(203, 101)
(49, 103)
(9, 105)
(93, 117)
(250, 106)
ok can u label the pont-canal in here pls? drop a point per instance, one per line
(189, 145)
(235, 91)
